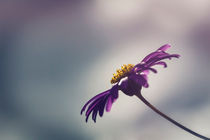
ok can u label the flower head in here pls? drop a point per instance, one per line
(136, 78)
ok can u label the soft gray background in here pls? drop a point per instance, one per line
(56, 54)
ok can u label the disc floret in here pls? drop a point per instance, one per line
(121, 73)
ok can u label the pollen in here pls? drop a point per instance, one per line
(121, 73)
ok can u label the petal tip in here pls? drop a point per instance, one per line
(165, 47)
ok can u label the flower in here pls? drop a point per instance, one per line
(136, 78)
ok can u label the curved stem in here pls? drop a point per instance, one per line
(169, 119)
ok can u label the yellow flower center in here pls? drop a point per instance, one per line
(121, 73)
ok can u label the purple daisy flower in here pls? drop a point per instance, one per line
(130, 79)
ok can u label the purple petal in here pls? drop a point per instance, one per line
(151, 55)
(109, 104)
(165, 47)
(94, 107)
(146, 85)
(160, 63)
(152, 69)
(91, 106)
(159, 51)
(90, 110)
(94, 115)
(92, 99)
(97, 104)
(113, 96)
(156, 59)
(146, 72)
(102, 106)
(146, 69)
(153, 59)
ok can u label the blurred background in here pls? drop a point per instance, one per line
(56, 54)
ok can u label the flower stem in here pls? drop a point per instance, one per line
(169, 119)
